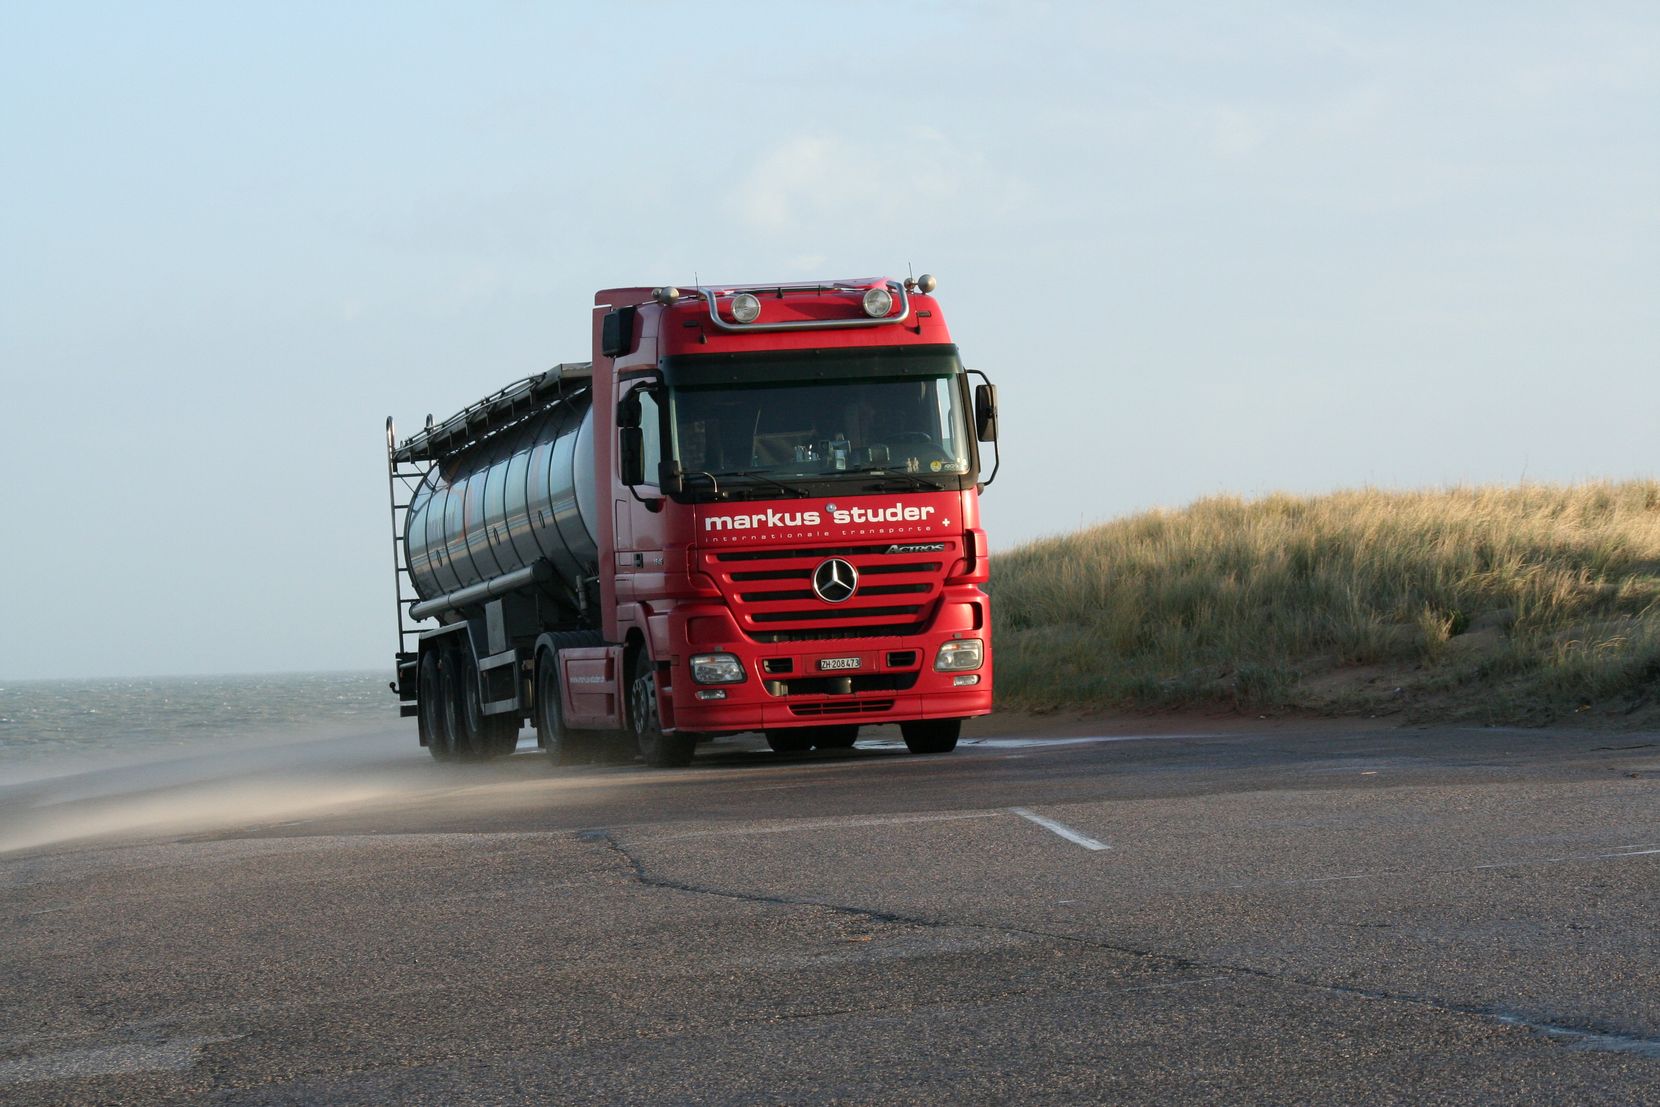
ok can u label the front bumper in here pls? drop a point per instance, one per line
(872, 680)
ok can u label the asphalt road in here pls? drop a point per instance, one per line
(1199, 911)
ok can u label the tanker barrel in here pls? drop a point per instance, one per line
(492, 508)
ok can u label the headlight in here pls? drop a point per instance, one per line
(746, 308)
(719, 668)
(878, 302)
(959, 654)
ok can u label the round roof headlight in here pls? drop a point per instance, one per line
(878, 302)
(746, 308)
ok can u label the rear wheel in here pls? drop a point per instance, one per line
(660, 750)
(431, 719)
(463, 718)
(454, 712)
(931, 735)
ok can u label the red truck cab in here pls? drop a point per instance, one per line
(793, 474)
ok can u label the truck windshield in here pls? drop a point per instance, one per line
(803, 431)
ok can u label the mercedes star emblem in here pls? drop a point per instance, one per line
(835, 580)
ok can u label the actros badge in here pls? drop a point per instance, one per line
(835, 580)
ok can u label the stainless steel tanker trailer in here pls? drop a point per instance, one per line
(737, 516)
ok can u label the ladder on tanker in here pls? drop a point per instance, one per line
(404, 476)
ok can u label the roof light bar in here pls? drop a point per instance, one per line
(891, 289)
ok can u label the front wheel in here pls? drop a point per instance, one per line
(789, 741)
(835, 737)
(551, 734)
(657, 749)
(931, 735)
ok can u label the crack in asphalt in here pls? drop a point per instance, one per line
(1596, 1038)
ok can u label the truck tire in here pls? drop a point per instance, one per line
(504, 734)
(431, 695)
(657, 749)
(461, 710)
(834, 737)
(931, 735)
(551, 735)
(476, 739)
(452, 711)
(798, 740)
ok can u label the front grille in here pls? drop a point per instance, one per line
(827, 634)
(864, 590)
(848, 611)
(828, 685)
(819, 552)
(840, 707)
(770, 591)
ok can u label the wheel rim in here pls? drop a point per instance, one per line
(473, 710)
(642, 707)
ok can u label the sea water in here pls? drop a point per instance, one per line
(65, 723)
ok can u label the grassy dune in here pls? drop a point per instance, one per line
(1504, 605)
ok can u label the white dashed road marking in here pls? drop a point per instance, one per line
(1060, 828)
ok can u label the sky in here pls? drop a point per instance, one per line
(1201, 248)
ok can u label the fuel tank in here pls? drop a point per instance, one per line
(520, 496)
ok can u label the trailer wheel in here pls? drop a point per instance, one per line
(461, 708)
(663, 751)
(476, 732)
(790, 741)
(431, 692)
(834, 737)
(931, 735)
(452, 710)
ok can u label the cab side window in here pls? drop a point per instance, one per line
(651, 430)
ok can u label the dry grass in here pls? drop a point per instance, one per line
(1521, 604)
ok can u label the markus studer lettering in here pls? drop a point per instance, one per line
(759, 520)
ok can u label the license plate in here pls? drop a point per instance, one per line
(839, 663)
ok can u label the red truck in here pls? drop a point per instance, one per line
(756, 508)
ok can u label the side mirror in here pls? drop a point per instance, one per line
(631, 451)
(985, 412)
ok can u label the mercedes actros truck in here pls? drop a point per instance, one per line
(755, 507)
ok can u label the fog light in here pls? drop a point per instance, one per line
(959, 654)
(961, 680)
(718, 668)
(720, 693)
(746, 308)
(878, 302)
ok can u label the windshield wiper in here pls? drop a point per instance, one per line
(916, 479)
(756, 474)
